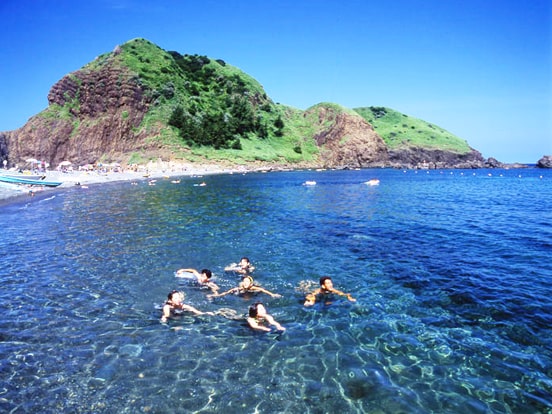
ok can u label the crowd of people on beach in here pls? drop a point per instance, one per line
(257, 317)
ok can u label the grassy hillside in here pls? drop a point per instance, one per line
(201, 107)
(399, 131)
(208, 108)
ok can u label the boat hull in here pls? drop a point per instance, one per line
(28, 181)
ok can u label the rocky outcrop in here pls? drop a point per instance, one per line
(347, 140)
(102, 112)
(493, 163)
(423, 158)
(97, 114)
(545, 162)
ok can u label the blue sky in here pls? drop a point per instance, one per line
(480, 69)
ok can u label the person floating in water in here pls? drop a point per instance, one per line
(174, 303)
(244, 267)
(203, 278)
(246, 286)
(326, 288)
(260, 320)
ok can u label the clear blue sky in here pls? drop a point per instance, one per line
(480, 69)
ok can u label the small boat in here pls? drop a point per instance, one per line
(29, 181)
(373, 181)
(26, 176)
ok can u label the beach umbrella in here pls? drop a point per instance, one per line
(65, 163)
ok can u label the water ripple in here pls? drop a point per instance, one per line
(451, 273)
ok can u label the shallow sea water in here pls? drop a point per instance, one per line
(451, 271)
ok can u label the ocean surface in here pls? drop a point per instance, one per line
(451, 269)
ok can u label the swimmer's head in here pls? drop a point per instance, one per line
(326, 282)
(257, 309)
(175, 296)
(247, 282)
(207, 273)
(245, 264)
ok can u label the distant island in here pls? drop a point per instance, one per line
(139, 103)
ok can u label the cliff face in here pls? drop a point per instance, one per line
(122, 104)
(348, 140)
(431, 159)
(104, 110)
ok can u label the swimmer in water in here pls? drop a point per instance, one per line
(203, 278)
(174, 302)
(260, 320)
(246, 286)
(244, 267)
(326, 288)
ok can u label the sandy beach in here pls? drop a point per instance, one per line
(151, 171)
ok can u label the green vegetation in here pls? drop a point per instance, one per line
(135, 158)
(200, 107)
(400, 131)
(207, 103)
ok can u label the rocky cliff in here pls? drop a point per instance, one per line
(348, 140)
(424, 158)
(90, 114)
(103, 112)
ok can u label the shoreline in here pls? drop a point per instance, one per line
(152, 171)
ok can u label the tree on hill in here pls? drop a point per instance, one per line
(279, 124)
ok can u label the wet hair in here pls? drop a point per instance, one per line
(246, 259)
(323, 280)
(171, 294)
(253, 309)
(207, 273)
(247, 277)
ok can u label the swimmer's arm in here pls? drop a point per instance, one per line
(231, 268)
(340, 293)
(216, 295)
(310, 299)
(255, 325)
(273, 322)
(213, 286)
(195, 311)
(166, 313)
(260, 289)
(194, 271)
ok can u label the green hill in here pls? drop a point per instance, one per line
(400, 131)
(206, 107)
(140, 102)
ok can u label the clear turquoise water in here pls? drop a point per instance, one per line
(452, 271)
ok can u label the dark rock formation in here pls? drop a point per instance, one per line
(348, 141)
(493, 163)
(423, 158)
(104, 109)
(545, 162)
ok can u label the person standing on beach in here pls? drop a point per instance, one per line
(326, 288)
